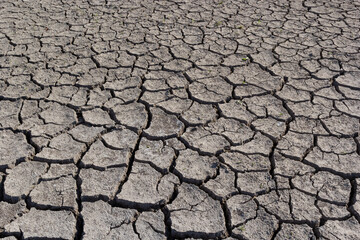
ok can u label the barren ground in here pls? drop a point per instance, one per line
(143, 119)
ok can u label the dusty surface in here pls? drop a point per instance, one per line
(145, 119)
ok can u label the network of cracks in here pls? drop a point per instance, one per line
(179, 119)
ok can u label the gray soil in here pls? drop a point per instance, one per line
(196, 119)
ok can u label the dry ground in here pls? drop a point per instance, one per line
(145, 119)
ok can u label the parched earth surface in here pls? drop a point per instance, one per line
(179, 119)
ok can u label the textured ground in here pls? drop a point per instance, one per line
(179, 119)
